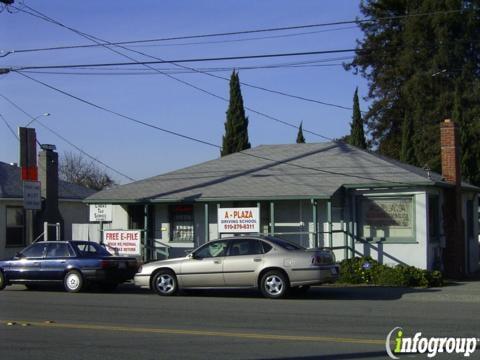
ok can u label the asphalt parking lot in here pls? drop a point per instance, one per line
(330, 322)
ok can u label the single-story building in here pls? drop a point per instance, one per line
(319, 194)
(71, 209)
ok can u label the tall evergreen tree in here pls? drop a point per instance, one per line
(236, 124)
(407, 152)
(300, 137)
(412, 64)
(357, 135)
(469, 139)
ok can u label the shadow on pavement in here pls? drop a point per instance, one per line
(315, 293)
(362, 355)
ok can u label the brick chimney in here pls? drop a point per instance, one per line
(454, 252)
(450, 152)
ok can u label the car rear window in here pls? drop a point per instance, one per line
(287, 245)
(90, 249)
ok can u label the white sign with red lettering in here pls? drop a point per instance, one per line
(123, 242)
(238, 220)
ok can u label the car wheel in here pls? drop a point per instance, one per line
(3, 281)
(73, 281)
(165, 283)
(274, 284)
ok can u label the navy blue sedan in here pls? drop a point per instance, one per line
(73, 263)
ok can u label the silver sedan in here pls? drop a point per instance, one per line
(270, 264)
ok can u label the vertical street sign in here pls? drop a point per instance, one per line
(32, 198)
(28, 153)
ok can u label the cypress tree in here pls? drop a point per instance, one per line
(236, 124)
(407, 151)
(300, 137)
(357, 135)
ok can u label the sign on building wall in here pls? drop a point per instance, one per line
(387, 217)
(32, 197)
(123, 242)
(238, 220)
(100, 212)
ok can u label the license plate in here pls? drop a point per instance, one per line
(333, 271)
(122, 265)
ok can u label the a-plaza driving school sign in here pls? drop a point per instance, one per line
(238, 220)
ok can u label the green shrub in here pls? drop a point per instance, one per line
(365, 270)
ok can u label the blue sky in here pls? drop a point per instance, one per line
(141, 152)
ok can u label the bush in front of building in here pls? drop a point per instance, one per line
(365, 270)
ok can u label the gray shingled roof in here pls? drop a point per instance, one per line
(272, 172)
(11, 185)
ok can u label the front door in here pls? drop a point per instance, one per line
(27, 266)
(205, 267)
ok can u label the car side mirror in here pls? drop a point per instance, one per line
(19, 255)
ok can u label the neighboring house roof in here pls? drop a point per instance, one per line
(273, 172)
(11, 185)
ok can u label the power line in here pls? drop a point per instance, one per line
(231, 33)
(9, 127)
(177, 61)
(96, 40)
(66, 140)
(146, 71)
(211, 144)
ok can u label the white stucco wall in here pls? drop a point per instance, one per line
(72, 212)
(392, 253)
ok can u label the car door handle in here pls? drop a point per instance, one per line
(257, 259)
(63, 262)
(36, 263)
(217, 261)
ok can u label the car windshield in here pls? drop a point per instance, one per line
(287, 245)
(89, 249)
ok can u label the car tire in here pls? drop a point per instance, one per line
(165, 283)
(3, 281)
(274, 284)
(73, 281)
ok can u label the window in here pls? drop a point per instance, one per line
(387, 219)
(433, 218)
(212, 249)
(284, 244)
(181, 218)
(89, 249)
(34, 251)
(56, 250)
(15, 227)
(266, 247)
(245, 247)
(470, 219)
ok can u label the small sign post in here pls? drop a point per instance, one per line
(123, 242)
(101, 212)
